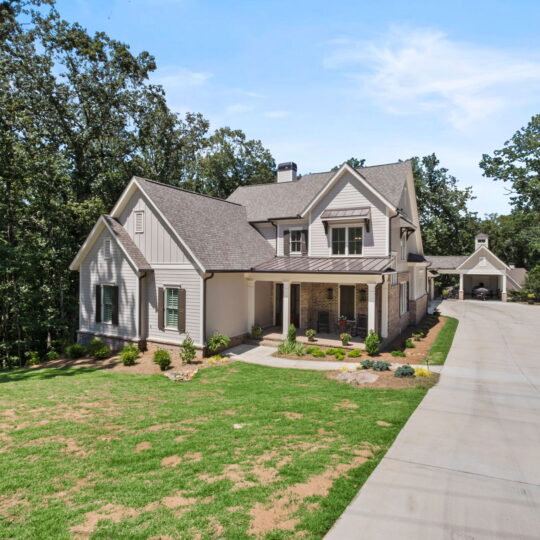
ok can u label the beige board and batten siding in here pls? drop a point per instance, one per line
(226, 304)
(348, 192)
(190, 280)
(156, 243)
(116, 270)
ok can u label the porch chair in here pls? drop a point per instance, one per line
(361, 325)
(323, 321)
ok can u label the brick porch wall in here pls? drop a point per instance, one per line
(396, 322)
(418, 309)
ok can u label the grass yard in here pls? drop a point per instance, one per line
(241, 451)
(440, 348)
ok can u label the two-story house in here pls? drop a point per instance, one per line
(342, 244)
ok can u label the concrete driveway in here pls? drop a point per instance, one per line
(467, 463)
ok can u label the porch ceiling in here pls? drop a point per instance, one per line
(326, 265)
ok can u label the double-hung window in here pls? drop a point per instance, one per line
(404, 247)
(347, 240)
(403, 297)
(107, 314)
(296, 241)
(171, 308)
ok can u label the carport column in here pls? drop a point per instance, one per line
(384, 308)
(461, 292)
(371, 306)
(286, 307)
(503, 288)
(431, 288)
(250, 304)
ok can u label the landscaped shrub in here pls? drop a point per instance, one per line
(32, 358)
(311, 349)
(408, 344)
(310, 334)
(188, 352)
(93, 346)
(129, 354)
(52, 355)
(396, 354)
(373, 341)
(319, 354)
(404, 371)
(355, 353)
(291, 333)
(345, 338)
(75, 351)
(291, 347)
(339, 356)
(218, 342)
(381, 366)
(102, 353)
(418, 336)
(334, 351)
(421, 372)
(162, 358)
(367, 364)
(256, 331)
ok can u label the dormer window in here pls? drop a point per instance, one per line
(107, 248)
(139, 221)
(296, 241)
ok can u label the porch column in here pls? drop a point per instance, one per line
(286, 307)
(503, 287)
(461, 292)
(384, 308)
(371, 307)
(250, 304)
(431, 288)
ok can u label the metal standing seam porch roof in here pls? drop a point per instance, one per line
(325, 265)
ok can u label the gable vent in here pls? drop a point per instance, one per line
(139, 222)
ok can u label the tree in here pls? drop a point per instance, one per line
(519, 164)
(355, 163)
(447, 226)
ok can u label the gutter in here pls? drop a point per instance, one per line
(204, 308)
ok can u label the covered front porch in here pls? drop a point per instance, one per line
(329, 304)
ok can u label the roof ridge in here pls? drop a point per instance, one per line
(187, 191)
(384, 164)
(283, 183)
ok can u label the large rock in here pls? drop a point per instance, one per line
(357, 377)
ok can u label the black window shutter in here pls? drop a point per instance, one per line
(114, 318)
(304, 242)
(160, 308)
(98, 303)
(182, 311)
(286, 243)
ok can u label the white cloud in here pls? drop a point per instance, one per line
(178, 78)
(418, 71)
(239, 108)
(276, 114)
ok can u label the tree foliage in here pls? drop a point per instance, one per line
(447, 226)
(78, 118)
(355, 163)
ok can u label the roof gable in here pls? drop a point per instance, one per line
(473, 260)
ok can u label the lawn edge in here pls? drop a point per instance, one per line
(444, 340)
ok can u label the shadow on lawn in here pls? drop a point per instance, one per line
(43, 373)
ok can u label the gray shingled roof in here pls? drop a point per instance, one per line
(519, 275)
(127, 243)
(288, 199)
(325, 265)
(216, 231)
(446, 262)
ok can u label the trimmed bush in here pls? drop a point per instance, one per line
(256, 332)
(418, 336)
(94, 346)
(311, 349)
(367, 364)
(381, 366)
(335, 351)
(76, 351)
(218, 342)
(162, 358)
(408, 344)
(373, 341)
(404, 371)
(129, 354)
(319, 354)
(102, 353)
(355, 353)
(310, 334)
(397, 354)
(421, 372)
(52, 355)
(291, 333)
(188, 352)
(339, 357)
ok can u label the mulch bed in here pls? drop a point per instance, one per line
(386, 379)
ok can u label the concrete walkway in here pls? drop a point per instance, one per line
(467, 463)
(257, 354)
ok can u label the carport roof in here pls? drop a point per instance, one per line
(446, 262)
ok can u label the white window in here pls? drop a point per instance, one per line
(403, 297)
(139, 221)
(107, 303)
(296, 241)
(107, 248)
(171, 308)
(404, 247)
(347, 240)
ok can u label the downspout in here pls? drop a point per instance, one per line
(204, 307)
(142, 341)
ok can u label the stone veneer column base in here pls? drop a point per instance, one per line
(461, 295)
(504, 297)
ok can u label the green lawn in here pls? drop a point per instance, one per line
(440, 348)
(108, 455)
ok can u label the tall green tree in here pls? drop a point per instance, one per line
(448, 227)
(355, 163)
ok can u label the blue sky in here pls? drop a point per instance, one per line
(319, 82)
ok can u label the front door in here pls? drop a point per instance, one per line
(295, 305)
(346, 301)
